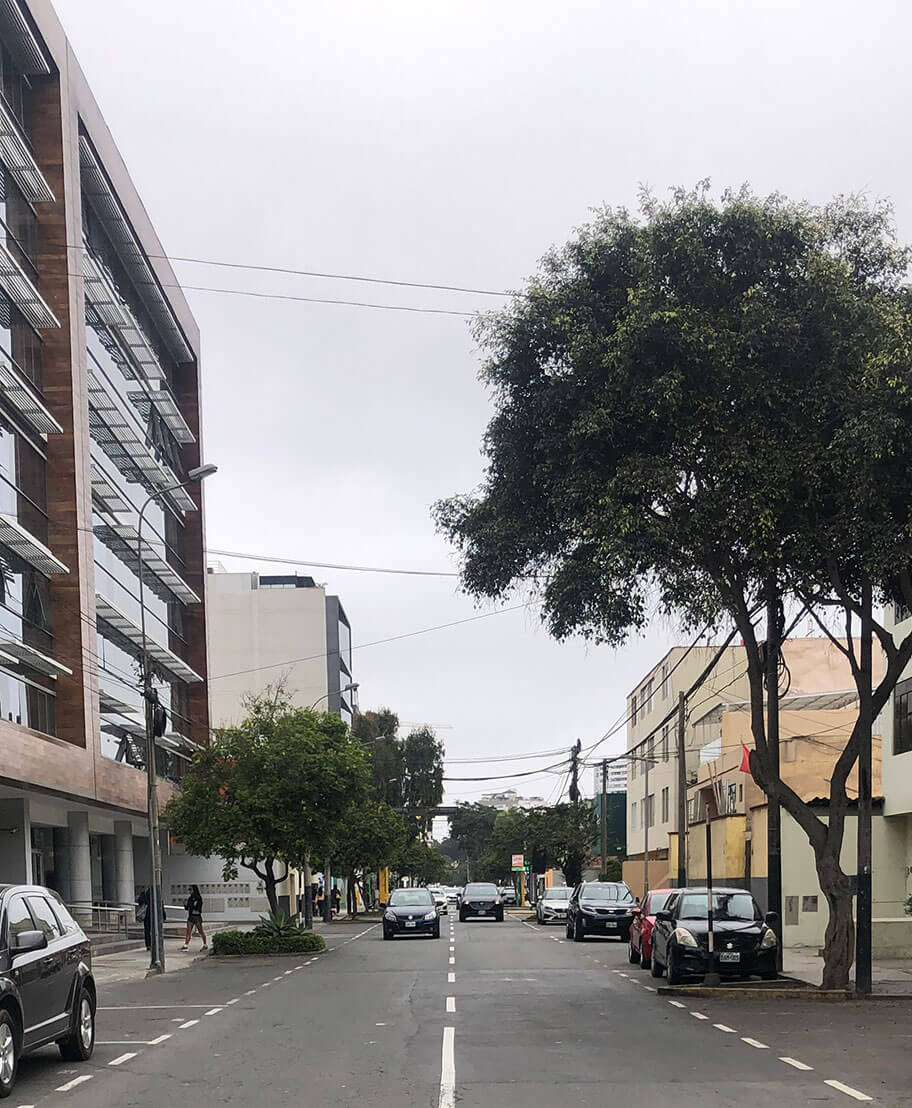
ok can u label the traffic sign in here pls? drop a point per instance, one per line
(518, 862)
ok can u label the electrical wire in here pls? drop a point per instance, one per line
(511, 776)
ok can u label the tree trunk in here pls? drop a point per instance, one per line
(839, 943)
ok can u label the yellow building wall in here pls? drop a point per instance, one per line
(728, 848)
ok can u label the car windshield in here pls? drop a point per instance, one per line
(657, 902)
(410, 898)
(606, 891)
(726, 906)
(556, 894)
(481, 890)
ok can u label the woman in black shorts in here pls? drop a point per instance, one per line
(194, 906)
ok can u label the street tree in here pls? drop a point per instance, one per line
(707, 408)
(471, 825)
(372, 836)
(407, 772)
(562, 836)
(264, 794)
(423, 864)
(378, 731)
(508, 837)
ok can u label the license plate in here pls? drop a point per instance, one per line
(410, 923)
(729, 956)
(482, 911)
(610, 923)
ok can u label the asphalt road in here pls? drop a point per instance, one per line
(501, 1016)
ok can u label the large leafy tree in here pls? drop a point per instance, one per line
(266, 793)
(562, 836)
(423, 864)
(710, 406)
(378, 730)
(508, 837)
(471, 825)
(372, 836)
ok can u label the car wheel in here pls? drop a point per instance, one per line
(633, 956)
(770, 975)
(499, 917)
(655, 966)
(462, 918)
(435, 934)
(386, 934)
(9, 1052)
(578, 935)
(79, 1044)
(675, 977)
(645, 959)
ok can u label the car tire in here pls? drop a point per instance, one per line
(80, 1043)
(386, 934)
(633, 956)
(769, 975)
(578, 935)
(499, 917)
(645, 960)
(462, 917)
(435, 934)
(10, 1049)
(655, 966)
(675, 977)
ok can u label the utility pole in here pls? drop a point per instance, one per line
(774, 812)
(682, 793)
(863, 907)
(327, 890)
(574, 770)
(711, 977)
(603, 820)
(646, 814)
(308, 894)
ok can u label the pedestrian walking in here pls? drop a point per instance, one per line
(194, 906)
(336, 899)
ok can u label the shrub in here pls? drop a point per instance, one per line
(278, 926)
(908, 906)
(249, 942)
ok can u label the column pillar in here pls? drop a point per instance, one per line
(80, 865)
(15, 841)
(123, 862)
(108, 879)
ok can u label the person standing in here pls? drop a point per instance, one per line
(194, 906)
(336, 900)
(144, 916)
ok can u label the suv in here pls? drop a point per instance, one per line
(47, 990)
(600, 908)
(481, 899)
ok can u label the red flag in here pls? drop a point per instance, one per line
(745, 759)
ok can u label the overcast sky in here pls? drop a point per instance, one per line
(447, 143)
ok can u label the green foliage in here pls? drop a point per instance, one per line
(907, 906)
(562, 836)
(378, 730)
(424, 864)
(471, 825)
(613, 869)
(508, 837)
(278, 926)
(249, 942)
(373, 836)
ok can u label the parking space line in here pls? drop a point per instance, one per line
(76, 1081)
(848, 1090)
(699, 1016)
(160, 1039)
(794, 1062)
(754, 1043)
(123, 1058)
(677, 1004)
(212, 1012)
(728, 1030)
(188, 1024)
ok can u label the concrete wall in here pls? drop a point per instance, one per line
(897, 767)
(262, 632)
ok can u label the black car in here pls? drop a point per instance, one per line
(411, 912)
(508, 895)
(481, 900)
(600, 908)
(47, 990)
(743, 939)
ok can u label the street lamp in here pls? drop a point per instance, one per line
(150, 698)
(350, 687)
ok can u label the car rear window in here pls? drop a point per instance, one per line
(410, 898)
(481, 890)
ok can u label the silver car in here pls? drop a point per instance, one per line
(552, 905)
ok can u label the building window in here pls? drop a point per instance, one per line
(650, 754)
(732, 798)
(664, 805)
(631, 762)
(809, 904)
(633, 816)
(650, 810)
(633, 710)
(902, 717)
(665, 689)
(646, 697)
(665, 743)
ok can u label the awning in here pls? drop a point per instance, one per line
(113, 624)
(19, 288)
(165, 582)
(100, 292)
(29, 549)
(166, 406)
(17, 157)
(25, 399)
(97, 189)
(129, 726)
(110, 705)
(22, 652)
(105, 492)
(20, 40)
(121, 440)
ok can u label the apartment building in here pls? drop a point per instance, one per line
(99, 417)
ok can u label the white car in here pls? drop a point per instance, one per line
(440, 899)
(552, 905)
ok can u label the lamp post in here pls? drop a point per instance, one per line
(150, 699)
(350, 687)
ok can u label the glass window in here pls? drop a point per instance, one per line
(17, 919)
(68, 925)
(556, 894)
(657, 902)
(633, 710)
(902, 717)
(726, 906)
(664, 805)
(665, 681)
(411, 898)
(606, 890)
(44, 917)
(633, 815)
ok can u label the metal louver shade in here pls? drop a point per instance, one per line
(19, 288)
(166, 406)
(25, 399)
(165, 582)
(22, 652)
(29, 549)
(115, 625)
(20, 40)
(17, 157)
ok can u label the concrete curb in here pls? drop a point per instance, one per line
(773, 993)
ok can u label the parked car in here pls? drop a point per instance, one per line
(440, 900)
(411, 912)
(640, 943)
(47, 991)
(552, 905)
(743, 938)
(600, 908)
(508, 895)
(481, 900)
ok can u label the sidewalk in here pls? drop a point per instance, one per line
(891, 976)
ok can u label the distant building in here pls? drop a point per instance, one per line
(508, 799)
(617, 777)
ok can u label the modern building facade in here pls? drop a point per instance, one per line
(99, 412)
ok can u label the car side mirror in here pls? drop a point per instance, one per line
(663, 915)
(29, 940)
(384, 903)
(635, 911)
(771, 918)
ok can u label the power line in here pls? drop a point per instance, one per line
(320, 300)
(330, 565)
(511, 776)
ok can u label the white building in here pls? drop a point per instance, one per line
(508, 799)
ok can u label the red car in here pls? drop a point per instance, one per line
(639, 945)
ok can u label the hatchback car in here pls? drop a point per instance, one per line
(508, 895)
(600, 908)
(744, 941)
(481, 900)
(440, 899)
(47, 990)
(411, 912)
(639, 950)
(552, 905)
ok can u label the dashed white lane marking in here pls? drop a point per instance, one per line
(451, 978)
(159, 1040)
(236, 999)
(288, 971)
(451, 1003)
(794, 1062)
(699, 1016)
(379, 1025)
(279, 978)
(452, 961)
(212, 1012)
(622, 974)
(250, 992)
(728, 1030)
(188, 1024)
(123, 1058)
(76, 1081)
(848, 1090)
(754, 1043)
(265, 985)
(677, 1004)
(649, 988)
(447, 1070)
(301, 966)
(149, 1007)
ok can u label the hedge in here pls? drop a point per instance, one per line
(245, 942)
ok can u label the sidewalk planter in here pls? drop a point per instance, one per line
(247, 942)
